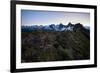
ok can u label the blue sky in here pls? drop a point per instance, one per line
(36, 17)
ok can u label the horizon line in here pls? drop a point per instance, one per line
(49, 24)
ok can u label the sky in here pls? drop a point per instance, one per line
(36, 17)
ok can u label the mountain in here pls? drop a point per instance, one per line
(55, 43)
(53, 27)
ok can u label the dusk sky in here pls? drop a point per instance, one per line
(36, 17)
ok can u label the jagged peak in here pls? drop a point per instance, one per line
(78, 25)
(58, 27)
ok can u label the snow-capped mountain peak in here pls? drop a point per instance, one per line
(53, 27)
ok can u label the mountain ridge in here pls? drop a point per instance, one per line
(53, 27)
(58, 44)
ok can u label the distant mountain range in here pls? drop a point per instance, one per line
(53, 27)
